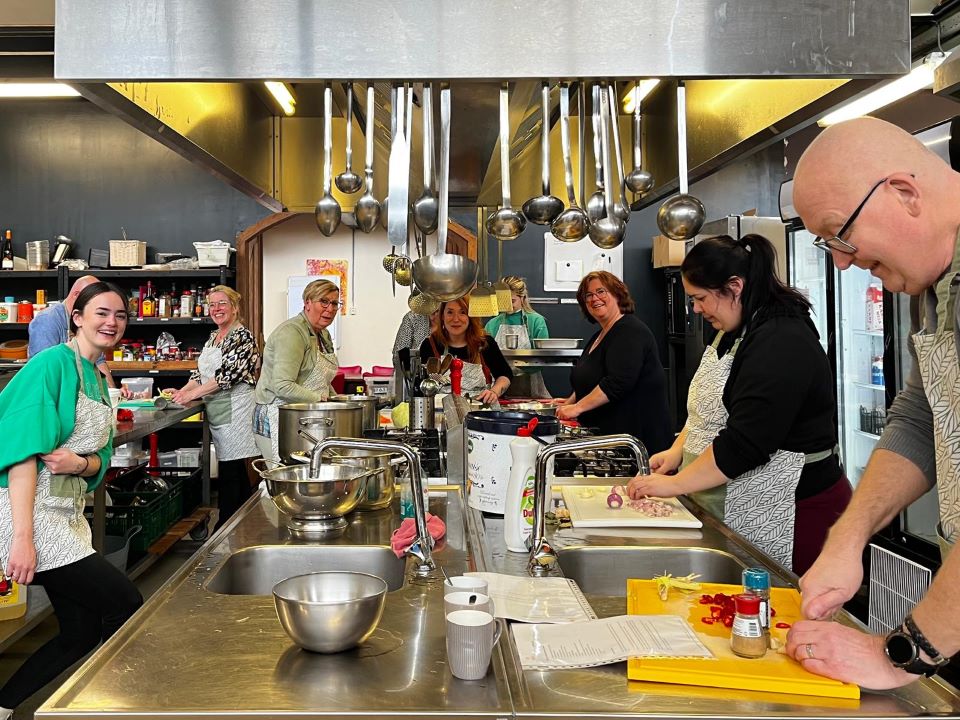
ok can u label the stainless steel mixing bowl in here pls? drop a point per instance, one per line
(329, 612)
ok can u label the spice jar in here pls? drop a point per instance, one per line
(747, 638)
(757, 582)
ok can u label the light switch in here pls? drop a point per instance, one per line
(602, 261)
(569, 270)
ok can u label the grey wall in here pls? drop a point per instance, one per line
(67, 167)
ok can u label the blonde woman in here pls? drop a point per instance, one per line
(526, 324)
(225, 376)
(299, 364)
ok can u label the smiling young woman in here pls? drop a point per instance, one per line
(56, 421)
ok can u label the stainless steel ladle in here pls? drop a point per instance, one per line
(682, 216)
(426, 207)
(597, 203)
(621, 207)
(638, 180)
(572, 224)
(327, 212)
(367, 209)
(348, 181)
(608, 231)
(544, 209)
(505, 223)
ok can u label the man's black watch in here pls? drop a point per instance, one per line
(903, 647)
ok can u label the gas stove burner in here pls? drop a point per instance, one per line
(425, 442)
(614, 463)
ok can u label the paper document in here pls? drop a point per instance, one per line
(536, 600)
(601, 642)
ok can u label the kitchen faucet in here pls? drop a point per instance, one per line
(421, 546)
(542, 556)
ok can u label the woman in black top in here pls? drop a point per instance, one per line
(618, 383)
(485, 371)
(775, 454)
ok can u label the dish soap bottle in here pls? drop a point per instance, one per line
(518, 510)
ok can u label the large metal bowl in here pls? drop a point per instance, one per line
(329, 612)
(316, 503)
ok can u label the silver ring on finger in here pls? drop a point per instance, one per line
(808, 648)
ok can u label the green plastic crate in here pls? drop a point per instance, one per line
(123, 515)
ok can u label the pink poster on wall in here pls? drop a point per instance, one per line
(332, 267)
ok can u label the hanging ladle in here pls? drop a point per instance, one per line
(621, 207)
(638, 180)
(597, 203)
(505, 223)
(608, 231)
(572, 224)
(545, 208)
(367, 210)
(327, 212)
(681, 217)
(425, 207)
(393, 133)
(348, 181)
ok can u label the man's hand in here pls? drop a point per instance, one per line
(832, 580)
(843, 653)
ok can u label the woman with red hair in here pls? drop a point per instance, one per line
(485, 371)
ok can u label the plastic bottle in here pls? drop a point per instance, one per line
(518, 509)
(876, 371)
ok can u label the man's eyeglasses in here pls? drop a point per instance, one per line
(836, 243)
(599, 294)
(324, 303)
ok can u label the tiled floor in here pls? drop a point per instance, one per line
(148, 583)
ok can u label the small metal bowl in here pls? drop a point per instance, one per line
(329, 612)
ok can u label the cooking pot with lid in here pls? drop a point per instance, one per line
(321, 420)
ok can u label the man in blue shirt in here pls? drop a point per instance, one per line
(52, 326)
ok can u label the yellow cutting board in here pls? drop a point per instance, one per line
(774, 672)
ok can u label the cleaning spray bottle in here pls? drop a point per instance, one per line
(518, 511)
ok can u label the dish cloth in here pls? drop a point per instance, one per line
(403, 537)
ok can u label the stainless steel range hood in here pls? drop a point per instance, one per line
(188, 74)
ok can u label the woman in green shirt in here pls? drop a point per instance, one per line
(56, 421)
(526, 325)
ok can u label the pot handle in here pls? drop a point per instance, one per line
(315, 420)
(263, 473)
(308, 436)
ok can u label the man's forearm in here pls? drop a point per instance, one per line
(939, 604)
(889, 484)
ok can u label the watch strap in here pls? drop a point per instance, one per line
(914, 666)
(918, 637)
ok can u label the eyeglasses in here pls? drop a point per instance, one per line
(324, 303)
(219, 304)
(836, 242)
(599, 294)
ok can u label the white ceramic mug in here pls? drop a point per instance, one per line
(464, 583)
(471, 635)
(467, 601)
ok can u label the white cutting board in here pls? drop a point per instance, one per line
(592, 512)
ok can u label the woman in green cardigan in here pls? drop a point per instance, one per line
(57, 424)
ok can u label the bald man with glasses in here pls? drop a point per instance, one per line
(880, 200)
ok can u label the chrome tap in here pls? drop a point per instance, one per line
(542, 556)
(422, 545)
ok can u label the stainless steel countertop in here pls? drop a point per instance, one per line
(191, 651)
(552, 353)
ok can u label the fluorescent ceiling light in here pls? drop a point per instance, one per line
(283, 96)
(36, 90)
(920, 78)
(639, 92)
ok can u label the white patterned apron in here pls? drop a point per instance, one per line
(707, 416)
(524, 384)
(938, 365)
(266, 420)
(61, 533)
(229, 412)
(472, 378)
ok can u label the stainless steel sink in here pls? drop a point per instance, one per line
(255, 570)
(603, 570)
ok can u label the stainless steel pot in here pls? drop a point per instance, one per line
(371, 409)
(321, 420)
(381, 485)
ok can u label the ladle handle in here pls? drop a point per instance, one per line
(581, 125)
(545, 138)
(565, 142)
(617, 152)
(349, 164)
(597, 150)
(637, 128)
(327, 137)
(505, 143)
(682, 137)
(368, 159)
(603, 112)
(444, 169)
(427, 137)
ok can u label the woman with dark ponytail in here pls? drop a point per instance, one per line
(759, 448)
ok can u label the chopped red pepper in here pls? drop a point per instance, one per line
(716, 611)
(707, 620)
(706, 600)
(783, 625)
(773, 613)
(727, 621)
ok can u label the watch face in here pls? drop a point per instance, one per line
(901, 649)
